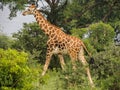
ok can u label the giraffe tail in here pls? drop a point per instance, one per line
(91, 58)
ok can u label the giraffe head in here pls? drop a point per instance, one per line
(30, 10)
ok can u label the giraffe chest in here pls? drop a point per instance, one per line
(59, 47)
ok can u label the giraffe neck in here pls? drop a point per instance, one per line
(48, 28)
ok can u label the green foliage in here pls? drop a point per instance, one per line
(75, 79)
(14, 6)
(85, 12)
(31, 39)
(51, 8)
(105, 72)
(5, 41)
(19, 73)
(72, 13)
(80, 32)
(53, 82)
(97, 36)
(106, 68)
(101, 35)
(12, 68)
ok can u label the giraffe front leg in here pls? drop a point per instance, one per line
(47, 62)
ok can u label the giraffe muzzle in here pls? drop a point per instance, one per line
(24, 13)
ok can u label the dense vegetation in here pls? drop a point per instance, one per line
(22, 57)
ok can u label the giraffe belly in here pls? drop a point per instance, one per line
(57, 50)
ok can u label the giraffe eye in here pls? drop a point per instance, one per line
(28, 9)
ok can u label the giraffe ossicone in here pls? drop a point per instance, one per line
(59, 42)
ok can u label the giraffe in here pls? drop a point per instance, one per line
(59, 43)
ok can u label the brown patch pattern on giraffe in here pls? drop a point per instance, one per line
(59, 43)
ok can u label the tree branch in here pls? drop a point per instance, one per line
(109, 12)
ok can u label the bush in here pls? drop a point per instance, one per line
(32, 40)
(5, 41)
(13, 68)
(106, 68)
(97, 36)
(105, 72)
(19, 72)
(101, 35)
(75, 79)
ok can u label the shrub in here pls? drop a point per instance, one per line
(19, 72)
(75, 79)
(32, 40)
(101, 35)
(105, 72)
(97, 35)
(106, 68)
(5, 41)
(13, 68)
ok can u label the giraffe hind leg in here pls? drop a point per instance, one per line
(84, 62)
(73, 56)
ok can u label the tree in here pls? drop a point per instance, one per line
(73, 13)
(53, 10)
(13, 69)
(101, 35)
(5, 41)
(14, 6)
(81, 13)
(106, 68)
(105, 72)
(97, 36)
(31, 39)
